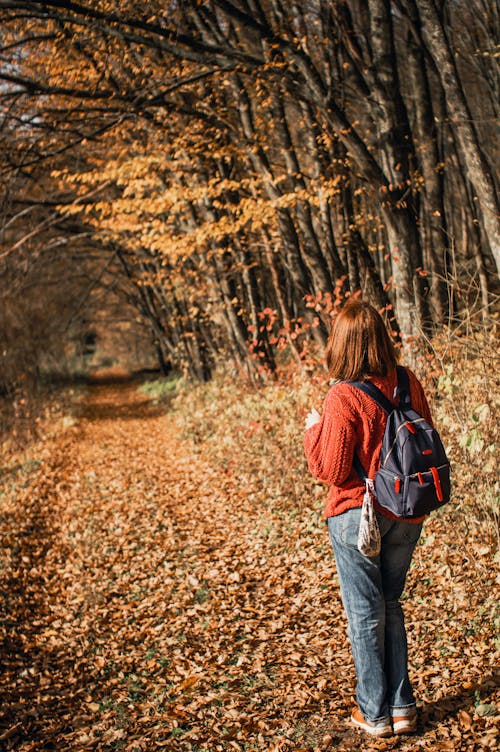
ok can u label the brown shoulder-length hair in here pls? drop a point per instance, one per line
(359, 344)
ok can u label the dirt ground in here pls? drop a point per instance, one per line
(151, 599)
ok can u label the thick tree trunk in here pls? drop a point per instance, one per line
(321, 168)
(389, 110)
(237, 328)
(311, 251)
(479, 172)
(434, 227)
(404, 242)
(263, 349)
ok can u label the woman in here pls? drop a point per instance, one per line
(359, 348)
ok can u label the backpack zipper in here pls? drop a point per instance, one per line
(403, 425)
(419, 474)
(415, 475)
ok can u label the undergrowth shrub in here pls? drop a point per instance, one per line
(465, 371)
(257, 433)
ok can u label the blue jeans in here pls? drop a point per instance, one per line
(370, 590)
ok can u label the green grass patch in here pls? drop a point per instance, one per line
(162, 389)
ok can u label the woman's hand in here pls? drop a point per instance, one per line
(312, 418)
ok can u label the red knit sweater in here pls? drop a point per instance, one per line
(351, 421)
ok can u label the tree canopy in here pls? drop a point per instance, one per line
(243, 165)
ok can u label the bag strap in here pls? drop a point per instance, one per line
(403, 387)
(374, 392)
(356, 463)
(403, 390)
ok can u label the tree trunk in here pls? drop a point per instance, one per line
(311, 251)
(299, 272)
(434, 228)
(477, 166)
(403, 242)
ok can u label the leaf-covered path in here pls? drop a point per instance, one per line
(155, 599)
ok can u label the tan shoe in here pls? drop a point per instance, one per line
(374, 728)
(404, 724)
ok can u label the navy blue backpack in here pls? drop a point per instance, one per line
(414, 474)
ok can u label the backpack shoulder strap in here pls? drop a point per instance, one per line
(403, 387)
(356, 463)
(374, 392)
(379, 397)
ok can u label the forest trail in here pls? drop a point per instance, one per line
(154, 600)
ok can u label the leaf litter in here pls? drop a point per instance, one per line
(162, 591)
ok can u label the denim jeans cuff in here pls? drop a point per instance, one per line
(404, 711)
(380, 719)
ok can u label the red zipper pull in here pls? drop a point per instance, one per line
(410, 427)
(437, 483)
(397, 485)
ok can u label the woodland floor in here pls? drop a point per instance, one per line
(152, 598)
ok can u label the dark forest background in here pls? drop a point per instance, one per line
(209, 180)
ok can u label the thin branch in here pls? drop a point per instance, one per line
(26, 40)
(67, 147)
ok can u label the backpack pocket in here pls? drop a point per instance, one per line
(389, 491)
(427, 491)
(413, 495)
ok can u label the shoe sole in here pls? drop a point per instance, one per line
(405, 727)
(383, 732)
